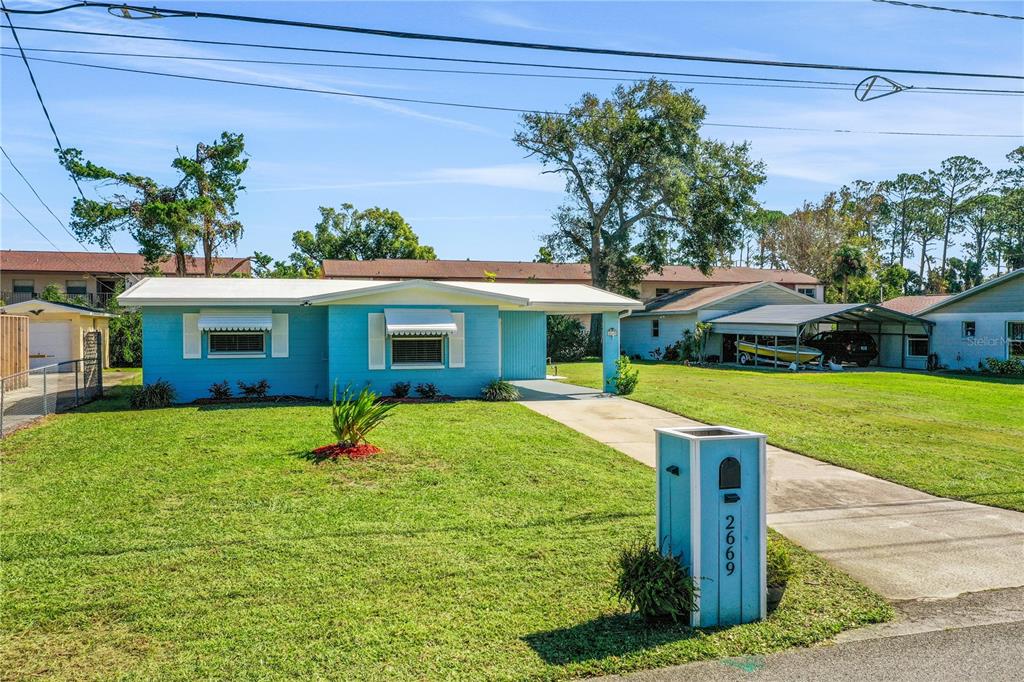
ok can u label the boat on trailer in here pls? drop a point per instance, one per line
(747, 351)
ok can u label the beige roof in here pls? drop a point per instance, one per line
(249, 292)
(105, 262)
(912, 305)
(521, 271)
(691, 299)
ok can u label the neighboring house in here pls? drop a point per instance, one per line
(667, 318)
(671, 279)
(767, 313)
(986, 321)
(302, 336)
(86, 277)
(57, 331)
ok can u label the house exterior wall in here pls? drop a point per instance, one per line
(637, 336)
(40, 280)
(348, 352)
(80, 324)
(989, 341)
(303, 372)
(522, 357)
(1007, 297)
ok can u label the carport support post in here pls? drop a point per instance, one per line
(609, 348)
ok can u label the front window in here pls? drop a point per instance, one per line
(24, 286)
(655, 328)
(75, 287)
(251, 343)
(917, 346)
(417, 350)
(967, 329)
(1015, 340)
(660, 291)
(807, 292)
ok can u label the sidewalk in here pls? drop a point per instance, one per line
(902, 543)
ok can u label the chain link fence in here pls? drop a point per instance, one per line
(27, 396)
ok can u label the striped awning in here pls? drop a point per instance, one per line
(419, 322)
(235, 321)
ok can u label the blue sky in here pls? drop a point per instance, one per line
(455, 174)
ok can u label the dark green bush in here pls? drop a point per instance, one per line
(655, 585)
(498, 391)
(256, 390)
(427, 391)
(220, 390)
(780, 564)
(1012, 367)
(400, 389)
(160, 393)
(567, 339)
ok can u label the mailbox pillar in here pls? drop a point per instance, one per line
(711, 509)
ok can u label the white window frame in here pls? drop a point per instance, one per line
(415, 365)
(963, 329)
(210, 353)
(1010, 340)
(916, 337)
(811, 292)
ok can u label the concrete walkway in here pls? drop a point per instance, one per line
(902, 543)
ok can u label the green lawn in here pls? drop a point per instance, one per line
(195, 542)
(951, 435)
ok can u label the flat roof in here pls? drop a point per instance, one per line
(250, 292)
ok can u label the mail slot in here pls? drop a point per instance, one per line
(711, 508)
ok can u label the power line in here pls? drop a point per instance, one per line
(491, 62)
(35, 86)
(842, 87)
(46, 113)
(485, 107)
(955, 10)
(78, 266)
(158, 12)
(45, 205)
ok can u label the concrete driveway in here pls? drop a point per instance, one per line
(902, 543)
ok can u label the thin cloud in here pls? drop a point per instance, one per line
(507, 176)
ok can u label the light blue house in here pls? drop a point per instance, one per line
(303, 335)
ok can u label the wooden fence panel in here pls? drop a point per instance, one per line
(14, 350)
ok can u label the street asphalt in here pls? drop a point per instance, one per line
(989, 653)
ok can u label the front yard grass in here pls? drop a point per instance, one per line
(199, 542)
(956, 436)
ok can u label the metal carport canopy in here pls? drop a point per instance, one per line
(790, 320)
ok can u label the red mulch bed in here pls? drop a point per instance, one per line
(336, 452)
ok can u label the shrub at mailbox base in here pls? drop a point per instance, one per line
(711, 509)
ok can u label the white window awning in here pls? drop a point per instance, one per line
(235, 320)
(419, 321)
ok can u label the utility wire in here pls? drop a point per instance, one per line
(77, 265)
(234, 60)
(493, 62)
(955, 10)
(45, 205)
(35, 86)
(46, 113)
(158, 12)
(483, 107)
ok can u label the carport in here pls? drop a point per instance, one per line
(892, 330)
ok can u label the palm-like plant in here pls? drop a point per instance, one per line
(356, 414)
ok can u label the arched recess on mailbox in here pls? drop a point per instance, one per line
(729, 474)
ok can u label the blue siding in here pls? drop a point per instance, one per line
(348, 353)
(637, 338)
(303, 372)
(523, 345)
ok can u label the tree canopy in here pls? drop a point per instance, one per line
(643, 188)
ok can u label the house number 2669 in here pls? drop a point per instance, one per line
(730, 541)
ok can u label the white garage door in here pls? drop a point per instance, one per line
(49, 342)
